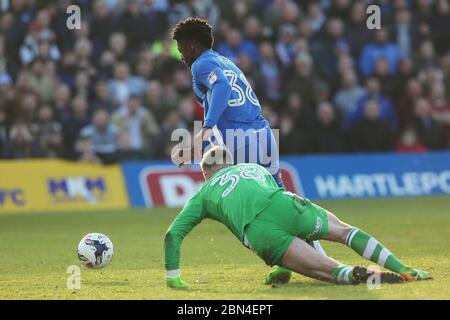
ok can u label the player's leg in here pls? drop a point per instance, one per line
(270, 160)
(303, 259)
(275, 244)
(369, 248)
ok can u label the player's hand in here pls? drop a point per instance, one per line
(203, 135)
(176, 283)
(181, 155)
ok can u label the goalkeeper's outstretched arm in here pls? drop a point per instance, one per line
(191, 215)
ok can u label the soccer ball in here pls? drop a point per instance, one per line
(95, 250)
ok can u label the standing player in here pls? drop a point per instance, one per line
(274, 223)
(230, 105)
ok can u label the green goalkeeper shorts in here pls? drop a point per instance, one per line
(272, 231)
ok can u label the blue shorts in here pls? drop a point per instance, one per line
(253, 146)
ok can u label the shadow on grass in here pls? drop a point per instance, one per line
(297, 290)
(113, 283)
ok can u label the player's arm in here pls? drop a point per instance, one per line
(211, 76)
(191, 215)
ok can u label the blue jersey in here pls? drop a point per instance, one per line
(230, 103)
(225, 94)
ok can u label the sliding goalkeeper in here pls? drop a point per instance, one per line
(275, 224)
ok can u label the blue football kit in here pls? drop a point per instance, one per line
(233, 111)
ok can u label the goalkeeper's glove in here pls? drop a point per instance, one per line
(176, 283)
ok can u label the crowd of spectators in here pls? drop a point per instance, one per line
(116, 88)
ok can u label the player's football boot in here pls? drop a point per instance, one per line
(362, 274)
(176, 283)
(415, 275)
(278, 276)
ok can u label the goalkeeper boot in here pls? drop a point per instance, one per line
(176, 283)
(279, 276)
(411, 274)
(362, 274)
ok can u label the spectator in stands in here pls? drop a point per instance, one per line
(349, 94)
(292, 140)
(49, 133)
(321, 92)
(270, 72)
(271, 115)
(83, 86)
(316, 16)
(234, 46)
(327, 135)
(7, 93)
(3, 133)
(135, 25)
(409, 142)
(26, 110)
(182, 82)
(22, 143)
(61, 102)
(43, 79)
(253, 29)
(426, 56)
(386, 79)
(328, 47)
(372, 132)
(295, 107)
(239, 13)
(208, 9)
(186, 110)
(302, 78)
(118, 44)
(155, 100)
(440, 107)
(384, 106)
(404, 106)
(136, 129)
(84, 152)
(357, 33)
(171, 123)
(73, 122)
(145, 63)
(405, 32)
(381, 47)
(445, 64)
(123, 85)
(103, 135)
(102, 98)
(340, 9)
(36, 37)
(440, 26)
(405, 73)
(285, 46)
(428, 130)
(83, 52)
(102, 20)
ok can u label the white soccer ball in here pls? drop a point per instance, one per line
(95, 250)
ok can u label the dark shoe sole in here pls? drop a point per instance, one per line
(362, 274)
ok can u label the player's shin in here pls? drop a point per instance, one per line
(369, 248)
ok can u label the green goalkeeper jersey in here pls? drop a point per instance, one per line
(234, 196)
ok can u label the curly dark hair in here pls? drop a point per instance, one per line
(196, 29)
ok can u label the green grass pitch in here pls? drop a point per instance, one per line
(37, 248)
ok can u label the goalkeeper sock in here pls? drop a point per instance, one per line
(369, 248)
(343, 275)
